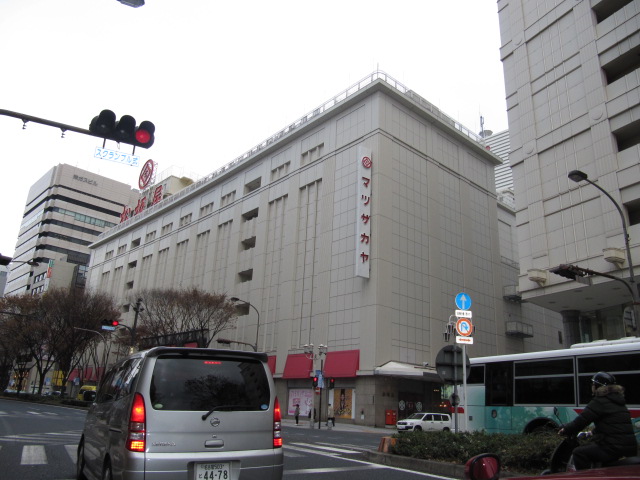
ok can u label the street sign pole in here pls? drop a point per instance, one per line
(464, 386)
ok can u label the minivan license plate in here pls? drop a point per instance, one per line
(213, 471)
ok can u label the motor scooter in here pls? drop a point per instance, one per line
(562, 456)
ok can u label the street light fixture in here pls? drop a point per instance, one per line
(579, 176)
(255, 346)
(311, 355)
(5, 261)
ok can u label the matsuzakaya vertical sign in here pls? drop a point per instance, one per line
(363, 211)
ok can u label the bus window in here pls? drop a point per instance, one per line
(476, 375)
(499, 386)
(626, 369)
(544, 382)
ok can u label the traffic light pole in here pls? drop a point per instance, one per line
(42, 121)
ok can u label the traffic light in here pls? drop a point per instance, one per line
(124, 130)
(569, 271)
(332, 383)
(110, 324)
(315, 381)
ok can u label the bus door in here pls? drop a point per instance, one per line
(499, 397)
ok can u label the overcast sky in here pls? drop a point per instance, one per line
(219, 77)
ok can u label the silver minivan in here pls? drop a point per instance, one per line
(184, 414)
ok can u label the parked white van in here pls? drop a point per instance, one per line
(425, 421)
(184, 414)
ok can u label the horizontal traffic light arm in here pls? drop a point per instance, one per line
(64, 127)
(29, 118)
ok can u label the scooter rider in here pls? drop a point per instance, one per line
(613, 435)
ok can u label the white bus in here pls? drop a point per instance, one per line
(517, 393)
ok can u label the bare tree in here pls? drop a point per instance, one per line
(72, 314)
(44, 326)
(168, 312)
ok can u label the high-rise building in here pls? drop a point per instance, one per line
(66, 210)
(572, 77)
(356, 227)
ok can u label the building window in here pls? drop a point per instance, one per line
(606, 8)
(135, 243)
(122, 249)
(133, 264)
(186, 220)
(108, 255)
(628, 136)
(166, 229)
(249, 243)
(253, 185)
(251, 214)
(206, 210)
(150, 236)
(246, 276)
(280, 171)
(228, 198)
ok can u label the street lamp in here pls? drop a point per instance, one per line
(255, 346)
(579, 176)
(311, 355)
(5, 261)
(226, 341)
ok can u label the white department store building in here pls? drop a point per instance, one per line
(355, 227)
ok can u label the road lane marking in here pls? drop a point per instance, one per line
(33, 455)
(305, 471)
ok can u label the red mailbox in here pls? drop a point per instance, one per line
(390, 417)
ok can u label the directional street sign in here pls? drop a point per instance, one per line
(463, 301)
(465, 340)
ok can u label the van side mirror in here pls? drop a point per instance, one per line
(485, 466)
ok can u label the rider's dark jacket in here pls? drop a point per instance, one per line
(613, 430)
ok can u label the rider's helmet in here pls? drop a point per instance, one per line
(603, 378)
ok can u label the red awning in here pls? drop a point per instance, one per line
(297, 366)
(87, 373)
(73, 375)
(271, 361)
(344, 363)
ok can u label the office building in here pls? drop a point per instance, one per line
(66, 210)
(572, 79)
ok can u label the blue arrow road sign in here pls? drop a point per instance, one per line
(463, 301)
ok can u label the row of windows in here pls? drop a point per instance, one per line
(553, 382)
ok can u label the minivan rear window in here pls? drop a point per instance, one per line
(209, 383)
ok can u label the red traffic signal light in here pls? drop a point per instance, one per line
(124, 130)
(315, 381)
(332, 382)
(115, 323)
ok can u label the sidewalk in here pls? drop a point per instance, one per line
(343, 427)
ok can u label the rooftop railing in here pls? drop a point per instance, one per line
(356, 87)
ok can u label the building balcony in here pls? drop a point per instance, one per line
(518, 329)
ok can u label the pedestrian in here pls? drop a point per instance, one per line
(296, 413)
(330, 416)
(613, 435)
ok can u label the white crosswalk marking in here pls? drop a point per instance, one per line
(72, 451)
(33, 455)
(330, 449)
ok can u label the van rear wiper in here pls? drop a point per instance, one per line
(226, 407)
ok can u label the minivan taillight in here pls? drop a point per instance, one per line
(137, 425)
(277, 425)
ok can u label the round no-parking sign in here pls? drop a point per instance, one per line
(464, 327)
